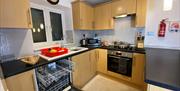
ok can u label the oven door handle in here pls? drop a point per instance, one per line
(114, 56)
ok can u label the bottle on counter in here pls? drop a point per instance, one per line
(139, 40)
(83, 41)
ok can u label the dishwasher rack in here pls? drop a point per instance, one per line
(56, 77)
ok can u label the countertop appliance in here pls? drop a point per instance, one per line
(83, 41)
(91, 42)
(120, 62)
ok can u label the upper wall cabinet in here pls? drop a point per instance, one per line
(141, 13)
(15, 14)
(120, 7)
(103, 17)
(83, 16)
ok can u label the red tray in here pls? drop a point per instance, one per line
(60, 51)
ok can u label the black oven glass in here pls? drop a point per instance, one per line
(120, 65)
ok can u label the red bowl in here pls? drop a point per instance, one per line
(60, 51)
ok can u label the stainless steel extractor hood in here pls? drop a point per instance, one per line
(123, 15)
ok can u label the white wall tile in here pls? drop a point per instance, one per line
(123, 31)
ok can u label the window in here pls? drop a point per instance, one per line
(38, 30)
(56, 24)
(47, 25)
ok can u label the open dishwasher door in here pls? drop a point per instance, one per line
(55, 76)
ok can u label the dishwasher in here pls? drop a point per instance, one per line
(56, 76)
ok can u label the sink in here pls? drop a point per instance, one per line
(76, 48)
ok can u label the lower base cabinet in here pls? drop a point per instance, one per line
(84, 68)
(87, 63)
(102, 60)
(138, 68)
(21, 82)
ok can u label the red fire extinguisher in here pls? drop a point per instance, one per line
(162, 28)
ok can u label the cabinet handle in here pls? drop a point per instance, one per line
(28, 17)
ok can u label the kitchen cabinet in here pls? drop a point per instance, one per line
(83, 16)
(138, 67)
(103, 17)
(120, 7)
(102, 61)
(15, 14)
(21, 82)
(140, 18)
(84, 68)
(93, 59)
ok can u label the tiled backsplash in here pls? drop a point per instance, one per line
(4, 48)
(123, 31)
(78, 35)
(16, 43)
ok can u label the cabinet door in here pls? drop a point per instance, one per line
(103, 17)
(21, 82)
(83, 16)
(141, 13)
(76, 15)
(82, 69)
(102, 61)
(120, 7)
(15, 14)
(86, 16)
(93, 59)
(138, 69)
(131, 6)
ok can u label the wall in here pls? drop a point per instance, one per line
(154, 15)
(46, 10)
(19, 42)
(78, 35)
(123, 31)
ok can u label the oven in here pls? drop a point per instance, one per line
(120, 62)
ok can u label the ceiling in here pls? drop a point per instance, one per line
(94, 2)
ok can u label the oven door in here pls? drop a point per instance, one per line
(120, 65)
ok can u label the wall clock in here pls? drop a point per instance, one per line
(54, 2)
